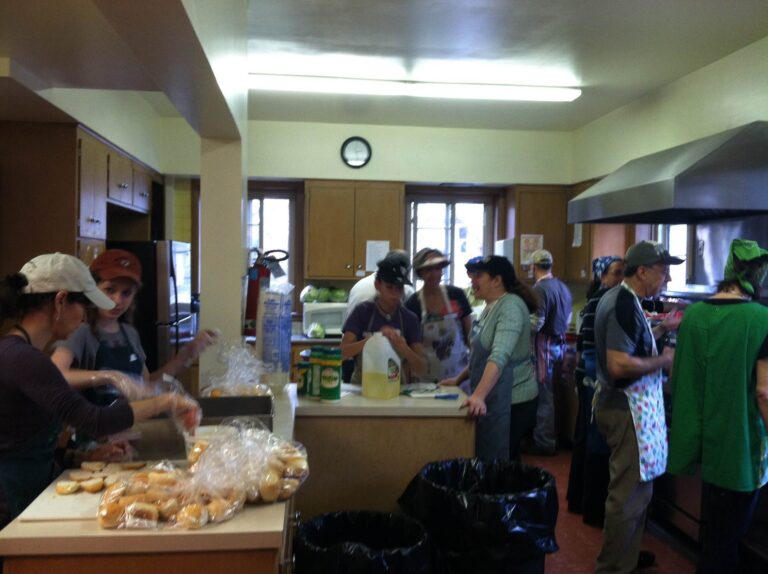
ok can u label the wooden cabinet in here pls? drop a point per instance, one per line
(142, 186)
(92, 181)
(341, 217)
(120, 178)
(54, 187)
(539, 210)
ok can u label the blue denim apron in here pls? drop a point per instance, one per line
(491, 430)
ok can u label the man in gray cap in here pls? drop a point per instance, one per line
(629, 404)
(549, 326)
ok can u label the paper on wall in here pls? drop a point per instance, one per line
(577, 231)
(375, 251)
(528, 244)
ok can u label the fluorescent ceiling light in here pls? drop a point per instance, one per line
(328, 85)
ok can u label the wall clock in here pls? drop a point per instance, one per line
(355, 152)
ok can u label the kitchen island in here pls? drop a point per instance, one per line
(364, 452)
(253, 541)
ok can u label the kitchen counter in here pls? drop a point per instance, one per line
(251, 542)
(364, 452)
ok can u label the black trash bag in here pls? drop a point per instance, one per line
(362, 542)
(485, 517)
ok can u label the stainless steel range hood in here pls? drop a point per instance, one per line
(717, 177)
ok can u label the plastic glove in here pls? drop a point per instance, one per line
(132, 388)
(113, 451)
(186, 412)
(201, 342)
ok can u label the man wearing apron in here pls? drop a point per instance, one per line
(386, 314)
(629, 405)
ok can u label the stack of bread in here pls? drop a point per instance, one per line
(242, 463)
(94, 476)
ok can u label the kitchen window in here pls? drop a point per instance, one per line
(461, 227)
(675, 239)
(270, 224)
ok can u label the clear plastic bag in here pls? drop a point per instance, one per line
(242, 377)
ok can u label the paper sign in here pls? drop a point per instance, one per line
(529, 244)
(375, 251)
(577, 231)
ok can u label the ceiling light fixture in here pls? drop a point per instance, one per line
(459, 91)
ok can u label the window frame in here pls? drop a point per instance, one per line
(490, 197)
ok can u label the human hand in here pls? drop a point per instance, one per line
(672, 320)
(132, 388)
(395, 338)
(186, 412)
(113, 451)
(204, 339)
(475, 406)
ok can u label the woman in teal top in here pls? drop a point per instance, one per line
(500, 370)
(720, 404)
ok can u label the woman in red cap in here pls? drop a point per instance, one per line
(104, 357)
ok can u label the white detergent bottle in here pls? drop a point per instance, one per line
(381, 369)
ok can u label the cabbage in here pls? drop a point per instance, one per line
(316, 331)
(339, 295)
(308, 294)
(323, 295)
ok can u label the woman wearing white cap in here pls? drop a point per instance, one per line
(446, 317)
(48, 298)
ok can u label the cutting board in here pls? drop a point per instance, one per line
(52, 506)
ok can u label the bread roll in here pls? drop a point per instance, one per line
(162, 478)
(297, 468)
(136, 487)
(114, 492)
(219, 510)
(288, 487)
(192, 516)
(269, 487)
(93, 466)
(111, 479)
(132, 465)
(236, 498)
(197, 450)
(277, 465)
(141, 515)
(168, 508)
(140, 477)
(110, 515)
(80, 475)
(113, 468)
(67, 486)
(93, 485)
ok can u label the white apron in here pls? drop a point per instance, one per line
(443, 341)
(646, 403)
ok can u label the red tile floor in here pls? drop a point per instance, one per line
(580, 544)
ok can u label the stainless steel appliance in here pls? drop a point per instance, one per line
(166, 313)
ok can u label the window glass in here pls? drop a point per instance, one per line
(677, 244)
(269, 225)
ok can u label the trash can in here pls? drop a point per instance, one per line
(362, 543)
(493, 518)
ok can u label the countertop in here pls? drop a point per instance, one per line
(355, 405)
(301, 339)
(255, 527)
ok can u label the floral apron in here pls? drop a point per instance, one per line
(443, 341)
(646, 403)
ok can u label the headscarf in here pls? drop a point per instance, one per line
(601, 264)
(749, 276)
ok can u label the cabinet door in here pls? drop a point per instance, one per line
(120, 178)
(142, 184)
(90, 249)
(329, 234)
(379, 212)
(92, 172)
(542, 211)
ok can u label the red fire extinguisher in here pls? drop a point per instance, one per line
(264, 266)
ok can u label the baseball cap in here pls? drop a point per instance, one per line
(114, 263)
(541, 257)
(55, 272)
(393, 269)
(649, 253)
(492, 264)
(429, 257)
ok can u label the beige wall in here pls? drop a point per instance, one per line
(728, 93)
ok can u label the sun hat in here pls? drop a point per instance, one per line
(429, 257)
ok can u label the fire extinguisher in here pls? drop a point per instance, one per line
(264, 266)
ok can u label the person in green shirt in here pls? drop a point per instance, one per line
(720, 404)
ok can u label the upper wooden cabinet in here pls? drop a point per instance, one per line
(120, 178)
(54, 186)
(341, 217)
(539, 210)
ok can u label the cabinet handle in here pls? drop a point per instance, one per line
(348, 266)
(359, 265)
(144, 194)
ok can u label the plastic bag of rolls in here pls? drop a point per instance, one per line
(245, 454)
(164, 496)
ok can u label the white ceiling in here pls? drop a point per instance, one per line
(615, 50)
